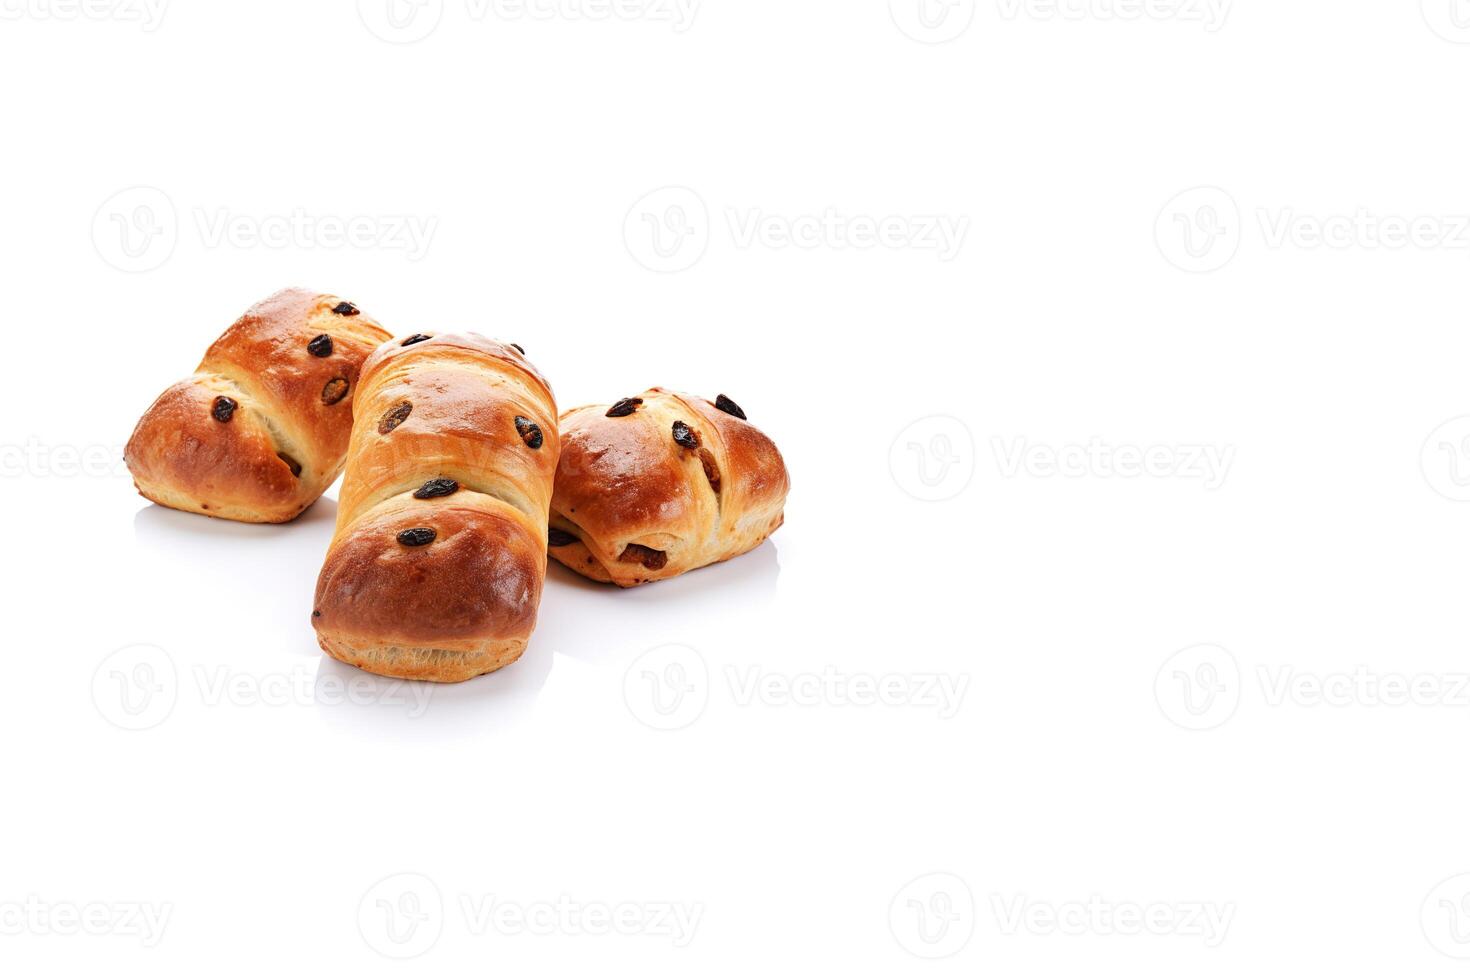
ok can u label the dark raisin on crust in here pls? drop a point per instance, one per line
(557, 538)
(440, 487)
(316, 614)
(650, 558)
(417, 338)
(417, 537)
(295, 466)
(729, 408)
(394, 417)
(624, 406)
(686, 436)
(334, 391)
(345, 308)
(520, 348)
(223, 409)
(711, 469)
(530, 432)
(320, 346)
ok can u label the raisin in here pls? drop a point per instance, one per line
(624, 406)
(729, 408)
(417, 537)
(530, 432)
(295, 466)
(649, 558)
(711, 469)
(224, 409)
(686, 436)
(345, 308)
(520, 348)
(316, 614)
(440, 487)
(394, 417)
(558, 538)
(417, 338)
(320, 346)
(334, 391)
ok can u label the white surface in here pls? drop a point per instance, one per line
(275, 791)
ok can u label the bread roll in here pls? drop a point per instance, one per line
(436, 567)
(260, 429)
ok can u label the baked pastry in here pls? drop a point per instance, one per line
(436, 567)
(260, 429)
(653, 486)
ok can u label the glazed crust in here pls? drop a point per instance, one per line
(465, 603)
(643, 508)
(182, 456)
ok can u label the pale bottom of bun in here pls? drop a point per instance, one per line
(624, 574)
(190, 503)
(445, 666)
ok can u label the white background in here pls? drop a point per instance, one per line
(1184, 239)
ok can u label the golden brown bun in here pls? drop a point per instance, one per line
(291, 407)
(643, 507)
(464, 602)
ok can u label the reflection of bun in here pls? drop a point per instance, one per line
(260, 430)
(436, 567)
(654, 486)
